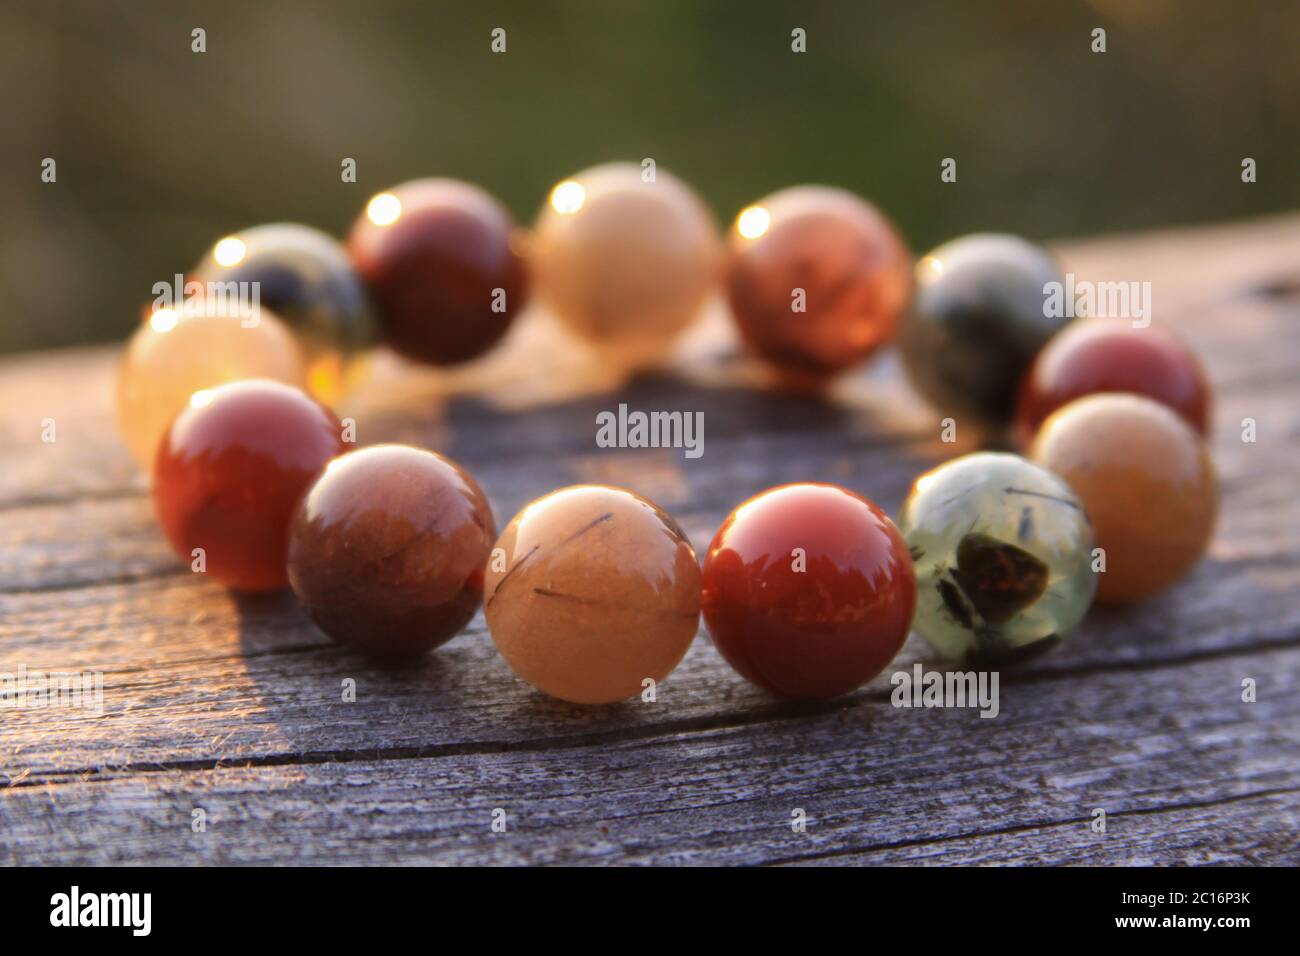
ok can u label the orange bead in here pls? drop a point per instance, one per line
(818, 280)
(177, 352)
(625, 263)
(1146, 481)
(590, 591)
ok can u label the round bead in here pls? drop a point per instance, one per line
(441, 261)
(1109, 355)
(1003, 554)
(590, 591)
(1147, 482)
(624, 263)
(176, 352)
(808, 590)
(387, 549)
(304, 277)
(229, 474)
(817, 280)
(976, 323)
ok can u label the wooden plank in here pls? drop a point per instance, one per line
(235, 702)
(871, 779)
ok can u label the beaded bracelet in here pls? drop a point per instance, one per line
(591, 592)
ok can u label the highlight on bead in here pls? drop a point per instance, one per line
(229, 251)
(753, 222)
(384, 209)
(568, 197)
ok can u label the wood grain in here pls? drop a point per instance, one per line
(233, 705)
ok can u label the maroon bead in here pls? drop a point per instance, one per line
(808, 590)
(229, 474)
(1110, 355)
(434, 271)
(388, 548)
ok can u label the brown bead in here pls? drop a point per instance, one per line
(441, 262)
(386, 551)
(1146, 481)
(817, 279)
(590, 591)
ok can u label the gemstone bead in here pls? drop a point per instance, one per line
(1110, 355)
(808, 590)
(176, 352)
(442, 261)
(817, 280)
(229, 474)
(303, 275)
(1003, 553)
(590, 592)
(387, 549)
(624, 263)
(978, 318)
(1146, 479)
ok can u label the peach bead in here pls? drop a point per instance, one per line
(1146, 481)
(624, 263)
(176, 352)
(591, 590)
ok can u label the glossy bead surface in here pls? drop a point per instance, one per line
(808, 590)
(441, 260)
(1110, 355)
(176, 352)
(624, 263)
(977, 321)
(387, 549)
(590, 591)
(1146, 479)
(817, 279)
(1003, 554)
(230, 472)
(305, 278)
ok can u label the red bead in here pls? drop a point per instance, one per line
(229, 474)
(817, 280)
(808, 590)
(1110, 355)
(441, 264)
(387, 549)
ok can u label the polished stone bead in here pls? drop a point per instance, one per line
(1110, 355)
(817, 279)
(1003, 554)
(808, 590)
(624, 263)
(176, 352)
(1147, 481)
(590, 591)
(977, 320)
(305, 278)
(442, 261)
(230, 472)
(387, 549)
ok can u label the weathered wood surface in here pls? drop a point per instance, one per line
(233, 705)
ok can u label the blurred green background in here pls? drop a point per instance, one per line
(161, 150)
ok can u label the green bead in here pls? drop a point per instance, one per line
(1003, 555)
